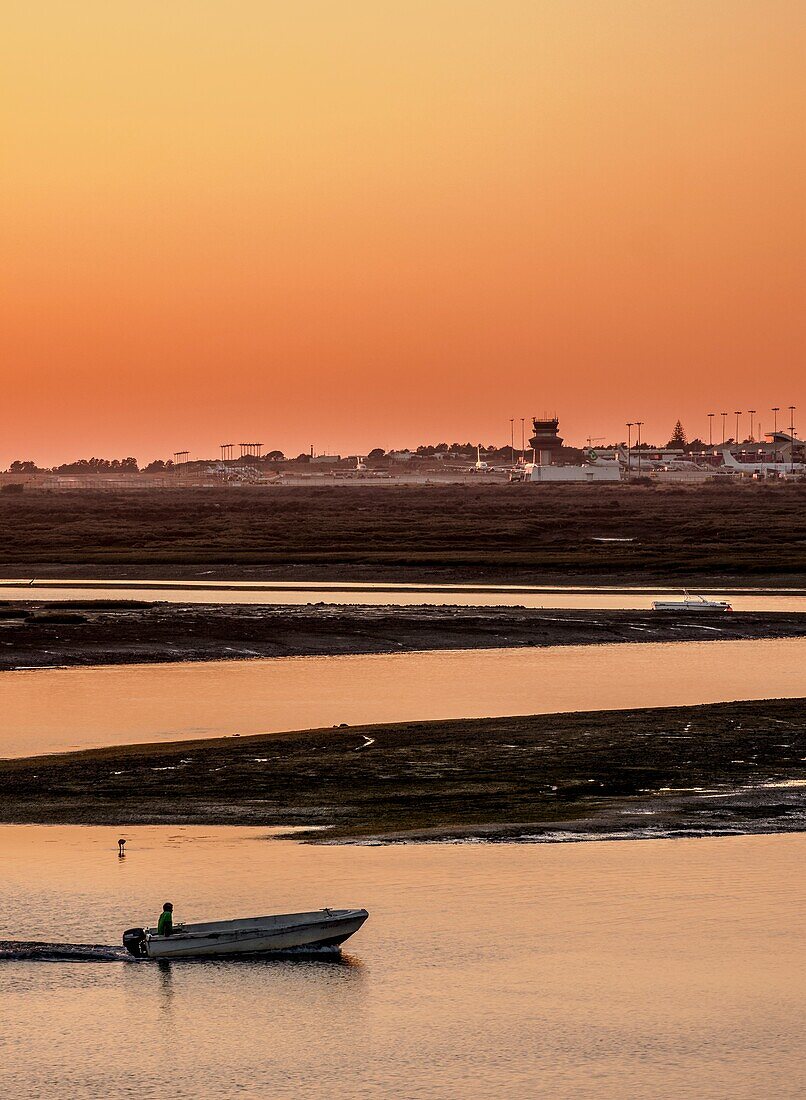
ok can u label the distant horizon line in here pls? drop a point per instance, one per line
(134, 463)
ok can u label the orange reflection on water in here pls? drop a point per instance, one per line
(652, 969)
(60, 709)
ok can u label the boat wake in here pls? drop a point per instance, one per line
(28, 951)
(22, 950)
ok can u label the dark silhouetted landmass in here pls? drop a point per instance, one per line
(746, 532)
(91, 632)
(728, 767)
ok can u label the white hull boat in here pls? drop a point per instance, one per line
(691, 603)
(298, 932)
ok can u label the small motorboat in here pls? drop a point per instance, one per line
(295, 932)
(691, 603)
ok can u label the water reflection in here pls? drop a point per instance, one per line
(607, 969)
(57, 710)
(600, 597)
(166, 988)
(291, 963)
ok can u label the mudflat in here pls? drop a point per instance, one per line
(702, 770)
(742, 532)
(95, 632)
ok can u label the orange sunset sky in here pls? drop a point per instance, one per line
(373, 222)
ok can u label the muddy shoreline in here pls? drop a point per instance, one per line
(681, 771)
(93, 632)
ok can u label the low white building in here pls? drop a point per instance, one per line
(595, 471)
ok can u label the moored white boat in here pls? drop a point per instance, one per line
(691, 603)
(324, 928)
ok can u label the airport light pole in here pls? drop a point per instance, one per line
(752, 414)
(724, 418)
(775, 410)
(523, 439)
(792, 437)
(638, 425)
(512, 440)
(629, 447)
(710, 429)
(738, 414)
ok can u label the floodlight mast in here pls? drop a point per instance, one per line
(629, 447)
(639, 425)
(792, 437)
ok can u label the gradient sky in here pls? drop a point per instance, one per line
(374, 222)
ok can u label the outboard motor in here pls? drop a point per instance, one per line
(134, 940)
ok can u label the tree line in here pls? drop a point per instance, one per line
(130, 465)
(87, 466)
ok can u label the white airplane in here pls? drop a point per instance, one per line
(482, 467)
(764, 468)
(479, 467)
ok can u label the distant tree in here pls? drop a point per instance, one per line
(441, 447)
(678, 436)
(24, 467)
(156, 466)
(275, 456)
(376, 452)
(96, 465)
(304, 457)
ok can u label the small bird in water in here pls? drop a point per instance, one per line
(121, 846)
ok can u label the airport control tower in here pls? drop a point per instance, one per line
(546, 441)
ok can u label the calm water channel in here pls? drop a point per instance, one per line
(608, 970)
(394, 595)
(49, 710)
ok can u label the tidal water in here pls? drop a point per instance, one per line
(294, 593)
(54, 710)
(669, 968)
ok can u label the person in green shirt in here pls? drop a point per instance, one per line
(165, 925)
